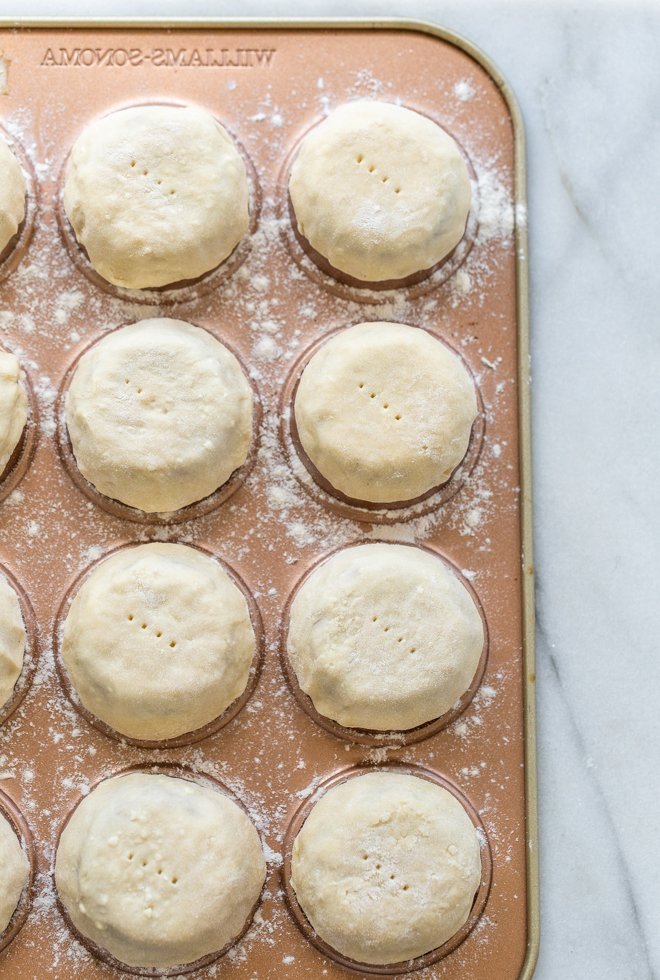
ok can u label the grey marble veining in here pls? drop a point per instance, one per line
(588, 82)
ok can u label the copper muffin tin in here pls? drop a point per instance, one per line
(269, 83)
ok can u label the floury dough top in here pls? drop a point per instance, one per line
(380, 191)
(156, 195)
(159, 414)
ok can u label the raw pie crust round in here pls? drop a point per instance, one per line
(156, 194)
(12, 641)
(158, 870)
(384, 637)
(386, 867)
(159, 414)
(384, 411)
(158, 641)
(14, 869)
(380, 191)
(13, 406)
(12, 195)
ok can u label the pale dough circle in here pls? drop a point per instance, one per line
(386, 867)
(158, 641)
(12, 640)
(13, 406)
(384, 411)
(159, 414)
(158, 870)
(14, 869)
(384, 636)
(156, 194)
(380, 191)
(12, 195)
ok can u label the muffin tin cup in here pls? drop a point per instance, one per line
(185, 290)
(31, 655)
(12, 812)
(190, 512)
(188, 738)
(372, 737)
(324, 274)
(16, 248)
(180, 772)
(322, 491)
(427, 959)
(22, 456)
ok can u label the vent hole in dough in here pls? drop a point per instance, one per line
(386, 405)
(413, 649)
(398, 418)
(374, 619)
(378, 867)
(174, 880)
(372, 394)
(144, 626)
(371, 168)
(359, 158)
(160, 871)
(145, 173)
(397, 190)
(126, 381)
(130, 617)
(391, 877)
(130, 856)
(384, 179)
(406, 887)
(400, 640)
(132, 163)
(361, 385)
(158, 633)
(364, 857)
(172, 643)
(172, 191)
(386, 629)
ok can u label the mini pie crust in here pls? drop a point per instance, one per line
(386, 867)
(12, 640)
(380, 191)
(384, 637)
(12, 195)
(157, 870)
(158, 641)
(159, 414)
(384, 411)
(14, 871)
(156, 194)
(13, 406)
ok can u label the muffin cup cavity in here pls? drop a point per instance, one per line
(16, 248)
(365, 511)
(188, 738)
(428, 959)
(370, 737)
(31, 655)
(190, 512)
(324, 274)
(185, 290)
(12, 812)
(180, 772)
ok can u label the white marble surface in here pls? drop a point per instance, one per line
(587, 78)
